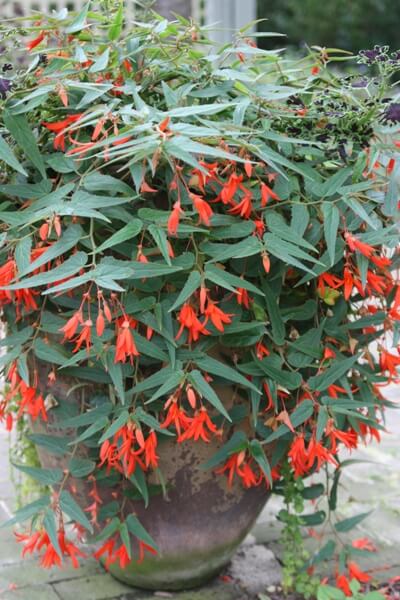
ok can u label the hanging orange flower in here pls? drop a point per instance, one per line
(200, 427)
(126, 347)
(188, 320)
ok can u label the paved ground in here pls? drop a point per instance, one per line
(364, 486)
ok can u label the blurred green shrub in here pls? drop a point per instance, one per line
(349, 24)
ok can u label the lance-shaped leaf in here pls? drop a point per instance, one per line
(7, 156)
(137, 529)
(68, 240)
(338, 369)
(68, 268)
(331, 224)
(70, 507)
(20, 130)
(204, 389)
(191, 285)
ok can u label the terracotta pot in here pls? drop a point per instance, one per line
(197, 527)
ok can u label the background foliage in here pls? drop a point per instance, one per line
(338, 23)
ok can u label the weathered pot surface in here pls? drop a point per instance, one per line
(197, 527)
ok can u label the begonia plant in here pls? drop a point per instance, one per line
(176, 217)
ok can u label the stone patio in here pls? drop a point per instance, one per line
(364, 486)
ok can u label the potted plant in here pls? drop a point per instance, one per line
(197, 252)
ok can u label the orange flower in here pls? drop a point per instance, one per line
(244, 208)
(266, 194)
(31, 402)
(71, 326)
(142, 548)
(298, 456)
(85, 336)
(319, 454)
(355, 244)
(40, 539)
(343, 584)
(356, 573)
(188, 319)
(173, 221)
(150, 447)
(198, 427)
(35, 42)
(59, 127)
(203, 208)
(126, 347)
(237, 464)
(216, 315)
(242, 297)
(176, 416)
(113, 555)
(364, 544)
(230, 188)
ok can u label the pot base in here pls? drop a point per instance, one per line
(174, 573)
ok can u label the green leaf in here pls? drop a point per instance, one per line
(191, 285)
(7, 156)
(171, 383)
(277, 324)
(322, 420)
(332, 374)
(228, 280)
(18, 338)
(27, 512)
(127, 232)
(125, 539)
(23, 254)
(80, 467)
(138, 479)
(326, 553)
(312, 519)
(215, 367)
(155, 269)
(53, 443)
(101, 63)
(327, 592)
(137, 529)
(331, 225)
(108, 530)
(303, 412)
(115, 426)
(68, 240)
(360, 211)
(313, 491)
(152, 381)
(287, 379)
(334, 183)
(49, 524)
(115, 372)
(277, 226)
(348, 524)
(20, 130)
(257, 451)
(48, 352)
(391, 197)
(204, 388)
(116, 26)
(68, 268)
(44, 476)
(73, 510)
(80, 20)
(160, 238)
(94, 428)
